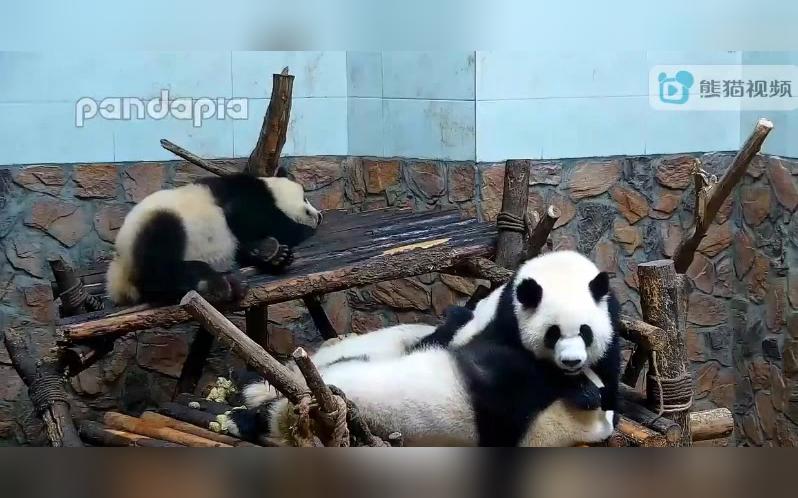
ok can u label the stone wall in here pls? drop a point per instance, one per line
(743, 340)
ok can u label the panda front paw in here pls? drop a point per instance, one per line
(283, 259)
(270, 256)
(587, 397)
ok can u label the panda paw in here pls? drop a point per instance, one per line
(282, 260)
(270, 256)
(222, 288)
(588, 397)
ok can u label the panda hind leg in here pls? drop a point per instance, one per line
(267, 255)
(186, 276)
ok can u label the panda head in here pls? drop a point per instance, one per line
(561, 303)
(289, 198)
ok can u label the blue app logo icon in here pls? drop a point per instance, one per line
(676, 89)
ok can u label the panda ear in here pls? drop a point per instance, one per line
(600, 286)
(529, 293)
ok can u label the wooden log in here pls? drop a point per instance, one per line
(319, 317)
(377, 269)
(97, 434)
(333, 435)
(257, 323)
(639, 435)
(194, 159)
(74, 298)
(265, 157)
(711, 197)
(138, 426)
(650, 337)
(217, 324)
(538, 236)
(660, 296)
(157, 419)
(81, 356)
(711, 424)
(44, 379)
(481, 268)
(640, 414)
(190, 415)
(195, 361)
(510, 242)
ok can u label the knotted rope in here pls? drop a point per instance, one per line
(674, 394)
(334, 431)
(507, 221)
(76, 296)
(45, 390)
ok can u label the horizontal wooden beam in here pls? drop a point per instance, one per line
(711, 424)
(643, 334)
(377, 269)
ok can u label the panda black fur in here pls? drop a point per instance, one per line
(187, 238)
(492, 388)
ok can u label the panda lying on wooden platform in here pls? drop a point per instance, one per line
(517, 373)
(192, 237)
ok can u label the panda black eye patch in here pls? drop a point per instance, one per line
(587, 334)
(552, 336)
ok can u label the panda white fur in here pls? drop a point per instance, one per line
(187, 238)
(513, 381)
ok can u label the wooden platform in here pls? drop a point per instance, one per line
(348, 250)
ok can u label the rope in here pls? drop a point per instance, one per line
(76, 296)
(335, 430)
(507, 221)
(301, 433)
(336, 422)
(675, 394)
(46, 390)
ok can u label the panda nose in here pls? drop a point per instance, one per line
(572, 363)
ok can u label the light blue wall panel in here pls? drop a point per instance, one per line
(364, 123)
(364, 74)
(317, 74)
(562, 127)
(428, 75)
(691, 131)
(317, 127)
(523, 75)
(442, 129)
(37, 133)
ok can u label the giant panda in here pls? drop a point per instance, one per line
(555, 320)
(192, 237)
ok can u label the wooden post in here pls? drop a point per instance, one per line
(336, 432)
(265, 158)
(510, 222)
(319, 317)
(510, 242)
(660, 296)
(74, 298)
(710, 197)
(44, 379)
(198, 353)
(538, 236)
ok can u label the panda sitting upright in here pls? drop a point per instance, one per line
(191, 237)
(504, 385)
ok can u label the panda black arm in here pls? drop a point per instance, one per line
(608, 367)
(456, 317)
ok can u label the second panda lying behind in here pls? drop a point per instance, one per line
(491, 390)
